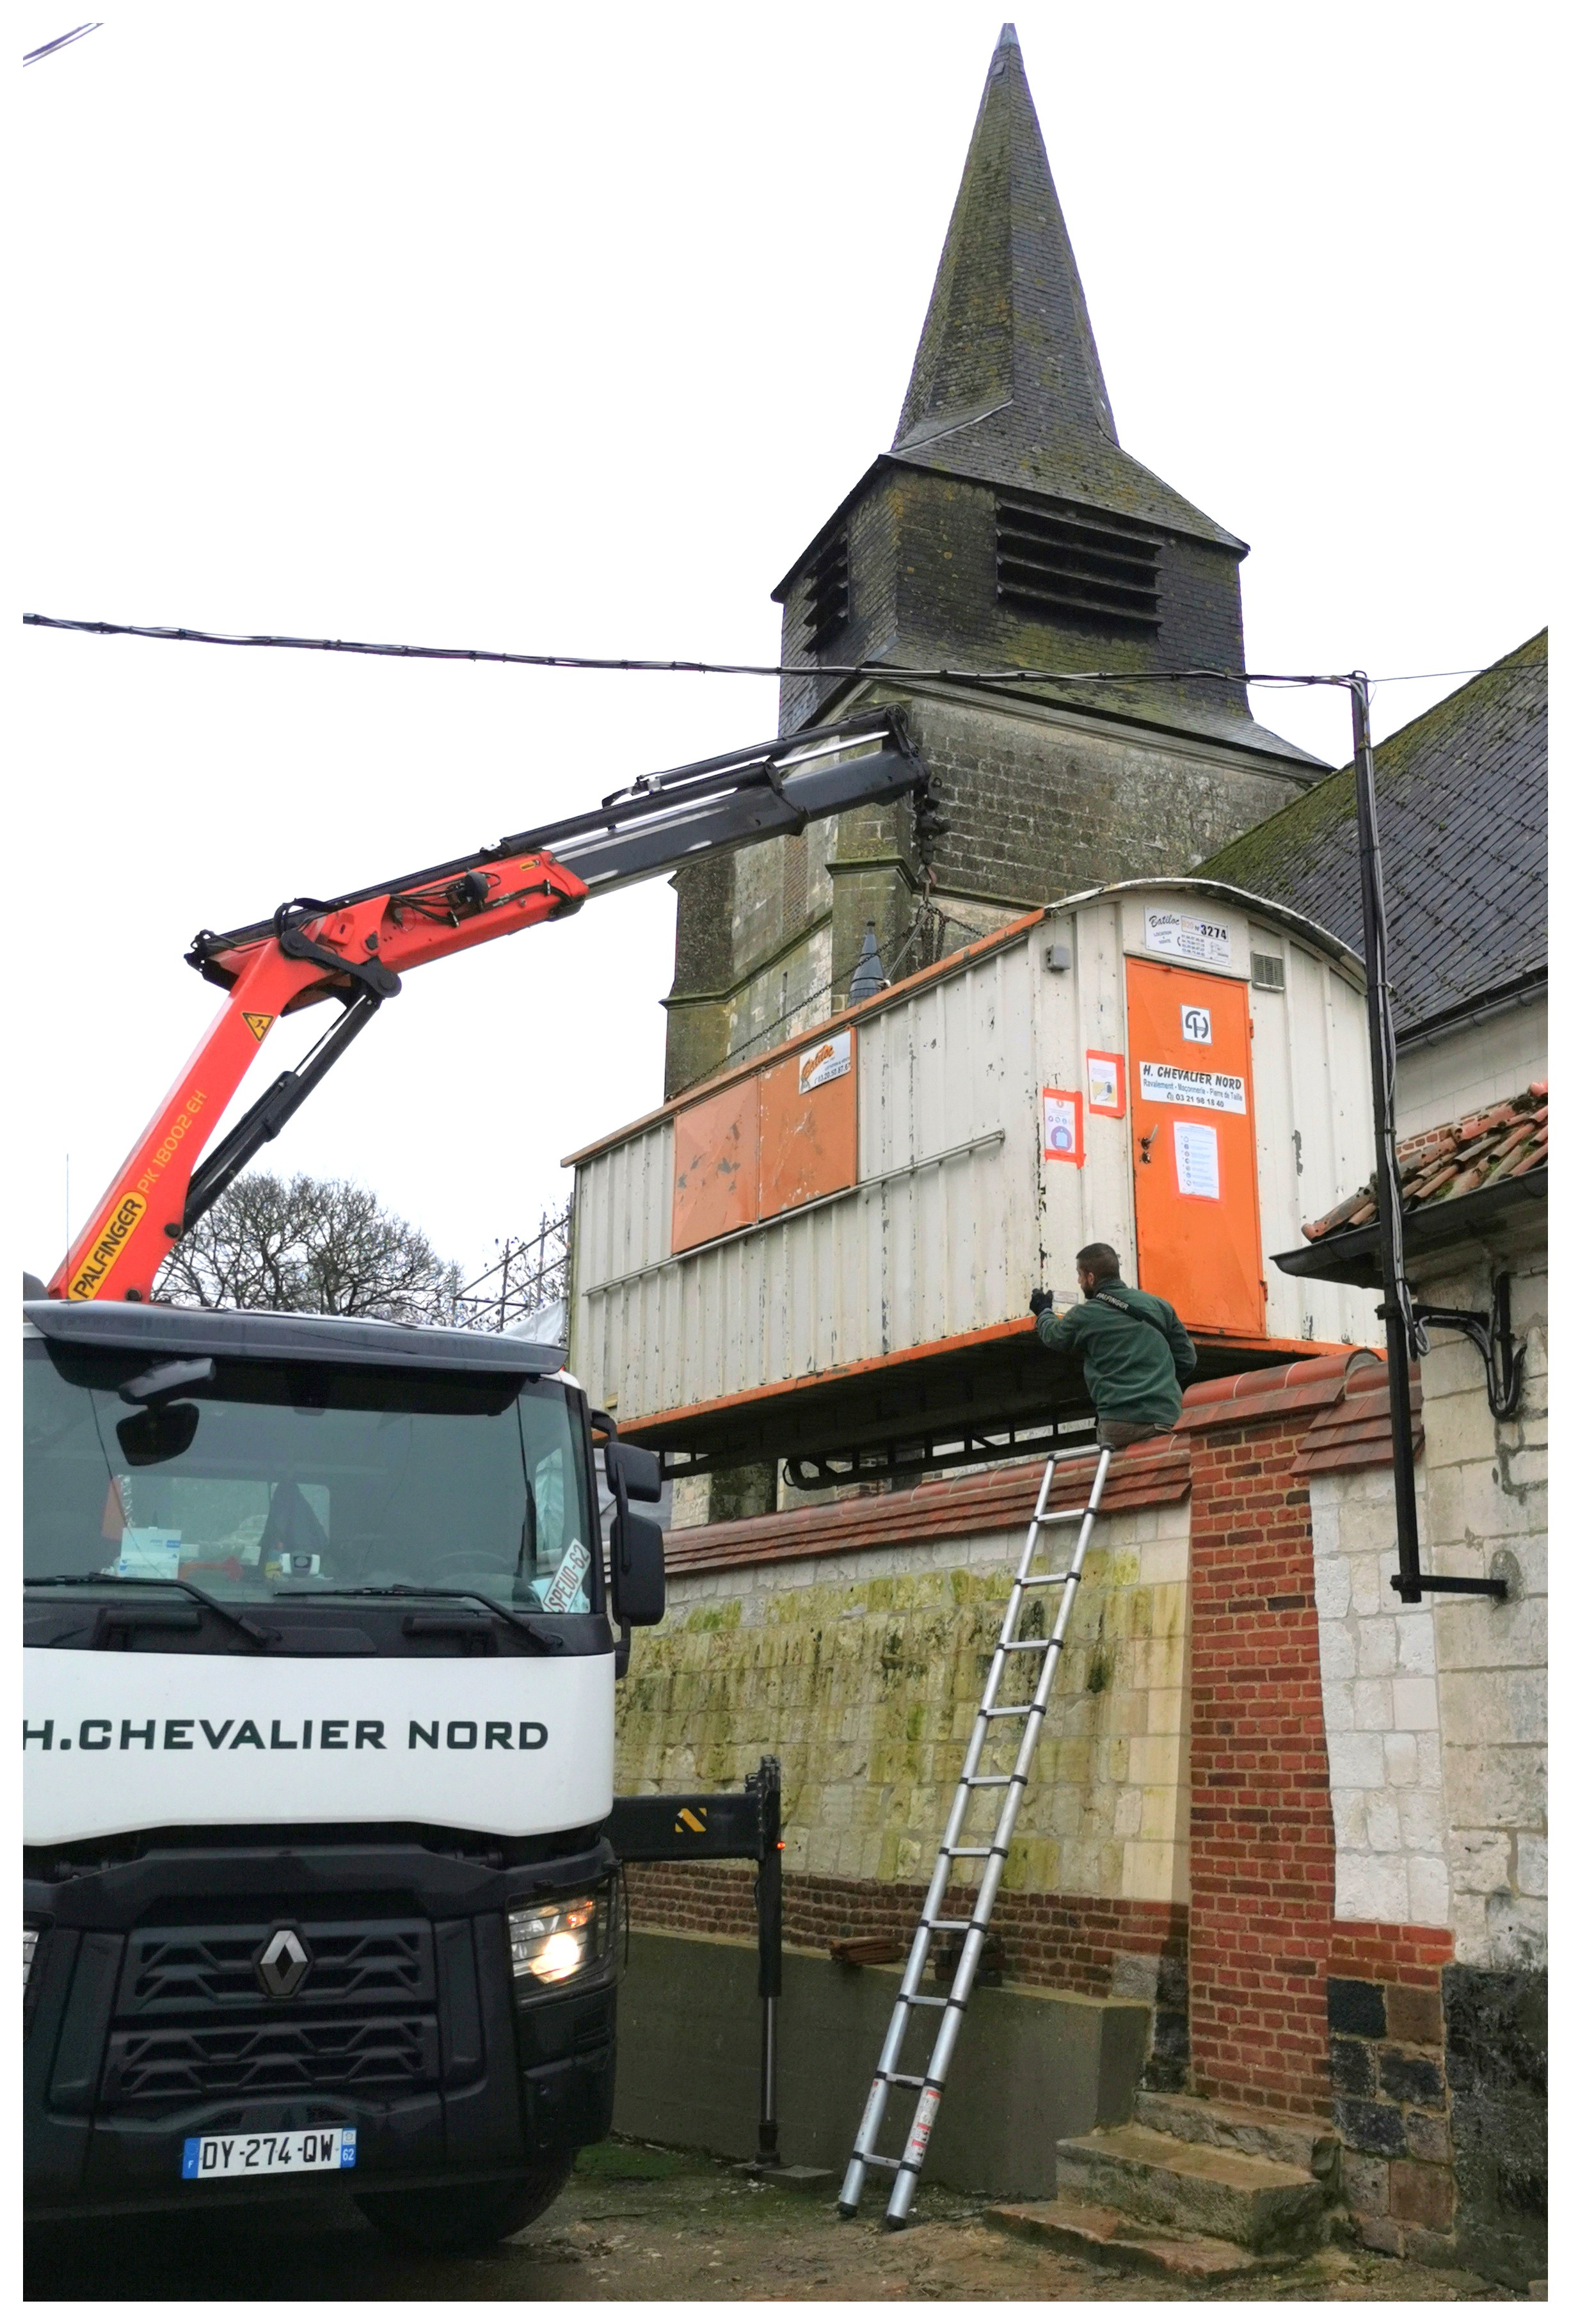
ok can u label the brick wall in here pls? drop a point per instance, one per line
(1385, 2014)
(1075, 1944)
(1262, 1849)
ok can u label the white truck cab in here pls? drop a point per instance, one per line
(317, 1735)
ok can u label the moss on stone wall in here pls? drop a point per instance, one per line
(866, 1687)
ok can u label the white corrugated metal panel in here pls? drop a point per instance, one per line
(955, 1214)
(1312, 1130)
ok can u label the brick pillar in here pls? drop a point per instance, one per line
(1262, 1849)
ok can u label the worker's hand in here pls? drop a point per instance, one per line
(1041, 1303)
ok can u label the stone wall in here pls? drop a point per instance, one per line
(861, 1671)
(1263, 1790)
(1474, 1068)
(1382, 1711)
(1040, 800)
(1436, 1721)
(1485, 1509)
(1386, 2018)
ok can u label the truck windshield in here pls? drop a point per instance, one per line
(273, 1476)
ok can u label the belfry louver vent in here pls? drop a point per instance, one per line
(829, 593)
(1079, 563)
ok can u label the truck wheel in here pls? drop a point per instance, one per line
(466, 2218)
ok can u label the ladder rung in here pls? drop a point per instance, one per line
(888, 2078)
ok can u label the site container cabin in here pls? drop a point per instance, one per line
(835, 1242)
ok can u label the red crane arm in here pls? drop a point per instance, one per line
(356, 953)
(354, 948)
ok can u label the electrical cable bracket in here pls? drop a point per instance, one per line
(1488, 1328)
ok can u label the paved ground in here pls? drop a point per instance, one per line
(644, 2223)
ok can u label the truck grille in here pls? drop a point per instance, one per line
(184, 1971)
(169, 2065)
(192, 2024)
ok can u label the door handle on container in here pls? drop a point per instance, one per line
(1148, 1142)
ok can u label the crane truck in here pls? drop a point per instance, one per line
(323, 1632)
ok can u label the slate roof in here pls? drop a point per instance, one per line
(1462, 795)
(1008, 385)
(1482, 1150)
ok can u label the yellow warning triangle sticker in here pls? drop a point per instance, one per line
(258, 1023)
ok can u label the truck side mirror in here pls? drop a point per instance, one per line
(638, 1569)
(635, 1470)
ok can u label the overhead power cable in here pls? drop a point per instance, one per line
(634, 663)
(60, 41)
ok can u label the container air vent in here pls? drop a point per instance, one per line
(1267, 972)
(829, 593)
(1078, 564)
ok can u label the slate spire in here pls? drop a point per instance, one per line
(1008, 385)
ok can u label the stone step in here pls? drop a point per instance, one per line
(1303, 2144)
(1094, 2232)
(1198, 2187)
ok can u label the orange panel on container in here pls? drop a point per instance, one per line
(1191, 1118)
(715, 1175)
(807, 1135)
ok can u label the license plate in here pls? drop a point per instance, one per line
(245, 2155)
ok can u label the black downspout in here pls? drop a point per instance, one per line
(1396, 1302)
(770, 1947)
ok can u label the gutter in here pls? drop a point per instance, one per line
(1353, 1255)
(1534, 986)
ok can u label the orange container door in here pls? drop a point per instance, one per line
(1191, 1112)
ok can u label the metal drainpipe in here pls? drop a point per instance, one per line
(1402, 1331)
(770, 1932)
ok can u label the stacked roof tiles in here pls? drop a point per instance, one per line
(1502, 1141)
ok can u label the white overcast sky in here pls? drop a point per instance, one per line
(564, 329)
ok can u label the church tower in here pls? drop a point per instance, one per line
(1005, 528)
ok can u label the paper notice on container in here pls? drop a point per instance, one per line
(1104, 1082)
(1061, 1125)
(1189, 935)
(1192, 1085)
(826, 1061)
(1194, 1145)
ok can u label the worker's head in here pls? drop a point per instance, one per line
(1097, 1263)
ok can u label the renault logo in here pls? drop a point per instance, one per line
(282, 1965)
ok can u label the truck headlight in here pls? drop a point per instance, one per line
(555, 1941)
(29, 1947)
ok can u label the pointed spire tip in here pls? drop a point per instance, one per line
(1008, 38)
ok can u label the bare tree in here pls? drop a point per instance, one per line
(321, 1245)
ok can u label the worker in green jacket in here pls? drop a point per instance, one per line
(1134, 1350)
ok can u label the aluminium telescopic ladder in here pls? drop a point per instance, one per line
(954, 1848)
